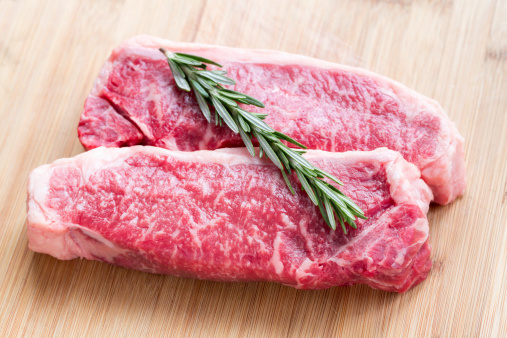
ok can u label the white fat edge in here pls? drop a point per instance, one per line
(376, 158)
(109, 255)
(396, 285)
(406, 185)
(103, 158)
(58, 240)
(46, 234)
(37, 190)
(102, 78)
(421, 226)
(383, 282)
(225, 156)
(94, 235)
(50, 238)
(455, 172)
(275, 258)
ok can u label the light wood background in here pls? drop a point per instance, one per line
(452, 50)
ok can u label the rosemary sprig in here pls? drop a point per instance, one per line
(190, 73)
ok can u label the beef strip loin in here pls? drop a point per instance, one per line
(224, 215)
(324, 105)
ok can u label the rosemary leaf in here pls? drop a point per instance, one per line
(226, 100)
(294, 156)
(252, 101)
(267, 149)
(260, 115)
(202, 104)
(245, 126)
(256, 122)
(218, 72)
(288, 139)
(208, 85)
(323, 212)
(286, 179)
(215, 77)
(197, 86)
(179, 76)
(283, 159)
(330, 214)
(340, 218)
(306, 186)
(185, 60)
(198, 58)
(247, 141)
(224, 114)
(231, 94)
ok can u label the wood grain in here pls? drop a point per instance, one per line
(452, 50)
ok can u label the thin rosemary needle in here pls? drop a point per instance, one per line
(190, 74)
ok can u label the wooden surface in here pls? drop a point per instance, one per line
(452, 50)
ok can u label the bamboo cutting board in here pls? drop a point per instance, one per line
(454, 51)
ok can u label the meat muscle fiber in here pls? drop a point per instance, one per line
(224, 215)
(324, 105)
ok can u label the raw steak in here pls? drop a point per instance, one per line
(324, 105)
(224, 215)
